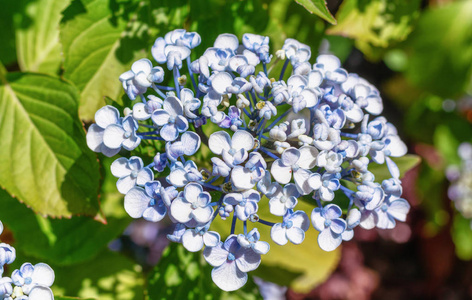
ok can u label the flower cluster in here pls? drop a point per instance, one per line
(308, 135)
(460, 190)
(31, 281)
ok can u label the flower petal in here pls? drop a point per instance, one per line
(181, 210)
(281, 173)
(43, 275)
(328, 241)
(242, 139)
(278, 234)
(192, 241)
(295, 235)
(136, 202)
(215, 256)
(248, 261)
(219, 141)
(228, 277)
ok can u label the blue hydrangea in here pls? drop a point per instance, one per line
(234, 140)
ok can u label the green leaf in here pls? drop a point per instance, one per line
(319, 8)
(90, 34)
(441, 50)
(44, 160)
(110, 276)
(462, 236)
(38, 46)
(375, 25)
(62, 241)
(301, 267)
(404, 163)
(181, 274)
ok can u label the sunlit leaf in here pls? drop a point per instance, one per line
(110, 276)
(38, 46)
(44, 160)
(90, 35)
(63, 241)
(319, 8)
(375, 25)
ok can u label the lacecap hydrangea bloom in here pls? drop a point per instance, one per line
(310, 132)
(31, 282)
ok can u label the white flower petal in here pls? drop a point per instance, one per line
(192, 241)
(43, 275)
(242, 139)
(281, 173)
(219, 141)
(278, 234)
(228, 277)
(136, 202)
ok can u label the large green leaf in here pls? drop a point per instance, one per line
(375, 25)
(301, 267)
(62, 241)
(181, 274)
(90, 34)
(38, 46)
(441, 50)
(110, 276)
(44, 160)
(319, 8)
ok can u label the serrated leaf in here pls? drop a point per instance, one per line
(62, 241)
(441, 50)
(375, 25)
(44, 160)
(38, 47)
(300, 267)
(404, 163)
(319, 8)
(91, 41)
(181, 274)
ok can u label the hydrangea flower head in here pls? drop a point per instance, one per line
(233, 140)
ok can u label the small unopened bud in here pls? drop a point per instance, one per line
(257, 144)
(205, 174)
(254, 218)
(260, 105)
(242, 101)
(252, 125)
(127, 111)
(182, 80)
(280, 54)
(225, 101)
(227, 187)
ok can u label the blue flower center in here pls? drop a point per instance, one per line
(243, 202)
(287, 224)
(231, 257)
(232, 151)
(384, 207)
(327, 223)
(134, 174)
(194, 205)
(295, 167)
(283, 199)
(171, 120)
(127, 134)
(152, 202)
(28, 280)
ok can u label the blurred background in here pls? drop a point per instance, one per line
(417, 53)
